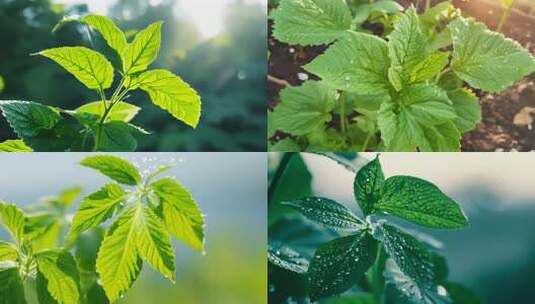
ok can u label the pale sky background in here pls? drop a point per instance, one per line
(511, 175)
(206, 14)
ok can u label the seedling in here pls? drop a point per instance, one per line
(383, 259)
(404, 92)
(105, 124)
(38, 267)
(507, 5)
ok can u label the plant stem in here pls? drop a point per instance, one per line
(30, 291)
(285, 160)
(427, 5)
(343, 113)
(505, 15)
(366, 142)
(377, 279)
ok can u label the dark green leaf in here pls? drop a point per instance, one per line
(117, 136)
(338, 264)
(368, 185)
(27, 118)
(11, 288)
(287, 258)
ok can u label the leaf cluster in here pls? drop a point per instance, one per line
(403, 90)
(38, 266)
(105, 124)
(390, 263)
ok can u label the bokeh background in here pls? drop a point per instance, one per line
(230, 188)
(494, 256)
(218, 46)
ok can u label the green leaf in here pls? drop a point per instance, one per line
(8, 252)
(16, 145)
(153, 243)
(285, 145)
(310, 22)
(507, 3)
(287, 258)
(467, 107)
(304, 109)
(117, 136)
(114, 167)
(326, 212)
(122, 111)
(421, 202)
(181, 215)
(13, 219)
(403, 123)
(363, 11)
(139, 54)
(11, 288)
(443, 137)
(27, 118)
(109, 31)
(67, 196)
(485, 59)
(429, 67)
(2, 84)
(368, 185)
(59, 270)
(89, 67)
(118, 261)
(339, 264)
(461, 294)
(410, 267)
(97, 208)
(407, 47)
(358, 62)
(363, 298)
(172, 94)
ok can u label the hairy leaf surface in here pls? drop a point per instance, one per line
(421, 202)
(89, 67)
(485, 59)
(310, 22)
(358, 62)
(181, 215)
(114, 167)
(326, 212)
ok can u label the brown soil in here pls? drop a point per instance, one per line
(497, 131)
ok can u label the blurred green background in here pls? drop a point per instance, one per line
(230, 188)
(494, 256)
(218, 46)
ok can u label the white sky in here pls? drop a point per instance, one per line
(206, 14)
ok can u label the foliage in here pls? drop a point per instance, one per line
(104, 125)
(89, 264)
(389, 264)
(402, 90)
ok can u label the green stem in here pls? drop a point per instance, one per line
(343, 113)
(376, 275)
(427, 5)
(30, 291)
(505, 15)
(285, 160)
(366, 142)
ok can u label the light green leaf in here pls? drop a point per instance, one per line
(507, 3)
(13, 219)
(416, 107)
(368, 185)
(14, 145)
(421, 202)
(2, 84)
(11, 288)
(467, 107)
(181, 215)
(339, 264)
(485, 59)
(109, 31)
(429, 67)
(154, 245)
(114, 167)
(59, 270)
(410, 267)
(444, 137)
(89, 67)
(28, 118)
(139, 54)
(363, 11)
(172, 94)
(304, 109)
(326, 212)
(285, 145)
(8, 252)
(97, 208)
(407, 46)
(122, 111)
(287, 258)
(67, 196)
(358, 62)
(118, 261)
(117, 136)
(310, 22)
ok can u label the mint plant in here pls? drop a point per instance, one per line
(409, 90)
(388, 263)
(105, 124)
(59, 258)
